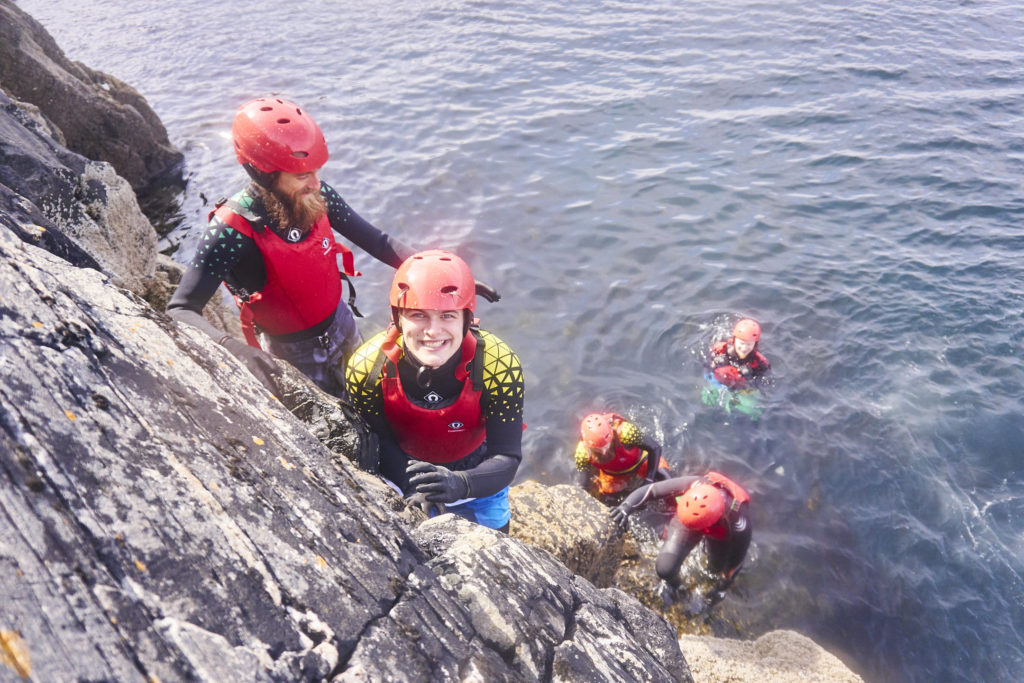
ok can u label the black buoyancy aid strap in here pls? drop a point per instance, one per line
(475, 363)
(351, 295)
(255, 221)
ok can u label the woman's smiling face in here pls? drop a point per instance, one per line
(431, 336)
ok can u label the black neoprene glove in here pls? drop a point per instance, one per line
(438, 484)
(260, 363)
(419, 500)
(486, 291)
(620, 515)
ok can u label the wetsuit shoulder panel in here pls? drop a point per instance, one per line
(630, 435)
(502, 378)
(366, 396)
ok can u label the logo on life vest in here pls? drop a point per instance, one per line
(294, 235)
(432, 397)
(456, 426)
(326, 244)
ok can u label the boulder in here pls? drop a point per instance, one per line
(779, 656)
(85, 201)
(571, 525)
(99, 116)
(82, 211)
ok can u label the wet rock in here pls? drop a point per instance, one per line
(82, 212)
(780, 656)
(520, 614)
(166, 517)
(99, 116)
(569, 524)
(78, 208)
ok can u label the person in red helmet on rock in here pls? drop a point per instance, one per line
(712, 508)
(736, 362)
(444, 397)
(273, 245)
(614, 456)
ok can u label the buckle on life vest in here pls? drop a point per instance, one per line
(324, 340)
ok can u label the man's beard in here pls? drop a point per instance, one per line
(293, 211)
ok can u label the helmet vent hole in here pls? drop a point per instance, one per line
(449, 289)
(300, 155)
(284, 121)
(445, 258)
(266, 108)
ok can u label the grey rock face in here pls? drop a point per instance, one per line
(519, 614)
(55, 192)
(99, 116)
(165, 516)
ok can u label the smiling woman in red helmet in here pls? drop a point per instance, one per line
(712, 508)
(614, 456)
(445, 398)
(736, 362)
(273, 246)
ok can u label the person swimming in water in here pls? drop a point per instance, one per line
(736, 362)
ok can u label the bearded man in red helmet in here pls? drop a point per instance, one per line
(444, 397)
(272, 244)
(736, 362)
(711, 508)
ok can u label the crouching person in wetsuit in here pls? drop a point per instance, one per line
(736, 362)
(712, 508)
(445, 398)
(614, 456)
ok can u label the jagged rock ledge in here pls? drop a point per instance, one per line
(164, 518)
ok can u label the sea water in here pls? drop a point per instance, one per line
(633, 177)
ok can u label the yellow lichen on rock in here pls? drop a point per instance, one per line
(14, 653)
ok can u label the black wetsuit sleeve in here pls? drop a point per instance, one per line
(361, 232)
(492, 475)
(652, 447)
(661, 489)
(222, 254)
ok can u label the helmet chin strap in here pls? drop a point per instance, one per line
(264, 180)
(424, 373)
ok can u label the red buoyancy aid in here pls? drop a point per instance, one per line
(739, 496)
(303, 285)
(624, 460)
(755, 360)
(615, 474)
(436, 435)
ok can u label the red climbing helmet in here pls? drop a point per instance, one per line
(596, 431)
(434, 280)
(747, 330)
(701, 506)
(275, 135)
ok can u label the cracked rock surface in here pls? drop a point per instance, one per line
(162, 517)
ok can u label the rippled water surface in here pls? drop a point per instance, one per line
(633, 177)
